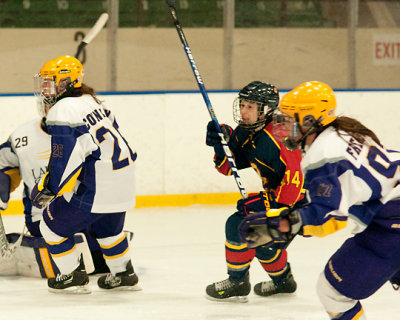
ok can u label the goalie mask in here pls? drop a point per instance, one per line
(56, 80)
(254, 105)
(304, 110)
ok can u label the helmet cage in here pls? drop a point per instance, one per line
(283, 126)
(288, 130)
(263, 110)
(47, 92)
(56, 80)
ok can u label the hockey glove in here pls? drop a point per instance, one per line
(275, 217)
(262, 228)
(40, 195)
(255, 202)
(212, 138)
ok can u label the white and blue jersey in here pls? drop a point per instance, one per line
(86, 144)
(345, 178)
(25, 156)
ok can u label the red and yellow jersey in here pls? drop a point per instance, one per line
(291, 188)
(278, 167)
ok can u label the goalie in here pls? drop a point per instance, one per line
(348, 174)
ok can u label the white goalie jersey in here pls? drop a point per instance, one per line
(27, 150)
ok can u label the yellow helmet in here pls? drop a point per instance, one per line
(56, 80)
(64, 68)
(310, 103)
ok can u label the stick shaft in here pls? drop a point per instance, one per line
(203, 91)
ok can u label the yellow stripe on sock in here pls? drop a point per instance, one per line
(113, 244)
(62, 254)
(278, 252)
(116, 256)
(234, 266)
(235, 247)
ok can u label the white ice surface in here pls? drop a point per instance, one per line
(177, 252)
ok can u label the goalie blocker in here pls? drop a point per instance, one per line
(32, 259)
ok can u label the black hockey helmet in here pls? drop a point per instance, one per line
(261, 92)
(265, 95)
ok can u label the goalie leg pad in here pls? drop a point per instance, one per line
(8, 266)
(32, 258)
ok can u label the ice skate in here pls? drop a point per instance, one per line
(75, 282)
(269, 288)
(228, 290)
(126, 280)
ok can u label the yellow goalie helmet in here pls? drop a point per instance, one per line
(310, 103)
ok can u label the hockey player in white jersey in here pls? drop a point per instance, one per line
(348, 174)
(25, 155)
(91, 157)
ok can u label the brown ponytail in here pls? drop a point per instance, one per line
(85, 89)
(355, 129)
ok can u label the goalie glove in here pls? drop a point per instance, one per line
(40, 195)
(264, 228)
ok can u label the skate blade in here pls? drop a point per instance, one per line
(237, 299)
(72, 290)
(124, 288)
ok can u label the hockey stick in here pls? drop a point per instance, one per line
(199, 80)
(92, 33)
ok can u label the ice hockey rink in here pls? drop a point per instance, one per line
(177, 252)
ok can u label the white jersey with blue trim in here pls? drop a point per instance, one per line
(86, 144)
(345, 178)
(28, 150)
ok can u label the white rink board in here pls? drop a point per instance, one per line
(168, 132)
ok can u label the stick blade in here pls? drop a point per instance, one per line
(96, 28)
